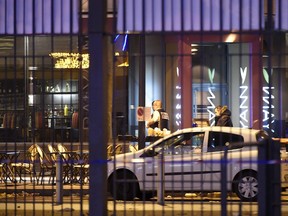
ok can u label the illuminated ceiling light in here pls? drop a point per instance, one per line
(231, 38)
(70, 60)
(194, 51)
(117, 54)
(194, 45)
(32, 68)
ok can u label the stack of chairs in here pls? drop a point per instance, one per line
(47, 167)
(27, 166)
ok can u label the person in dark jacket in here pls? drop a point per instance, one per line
(223, 116)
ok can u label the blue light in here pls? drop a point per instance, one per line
(125, 43)
(117, 36)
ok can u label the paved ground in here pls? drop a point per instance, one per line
(171, 208)
(30, 199)
(42, 190)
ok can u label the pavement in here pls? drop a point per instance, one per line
(43, 189)
(170, 208)
(31, 199)
(127, 209)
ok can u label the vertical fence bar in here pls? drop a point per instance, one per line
(269, 197)
(59, 180)
(224, 182)
(160, 179)
(142, 82)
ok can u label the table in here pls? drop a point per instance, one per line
(6, 158)
(81, 168)
(75, 166)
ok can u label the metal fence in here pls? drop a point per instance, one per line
(67, 64)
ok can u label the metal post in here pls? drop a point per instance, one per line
(98, 111)
(160, 179)
(269, 196)
(59, 182)
(224, 183)
(142, 81)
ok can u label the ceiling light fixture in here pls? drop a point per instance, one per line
(70, 60)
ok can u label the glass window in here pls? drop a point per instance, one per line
(181, 144)
(218, 140)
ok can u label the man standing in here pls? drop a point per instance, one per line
(159, 118)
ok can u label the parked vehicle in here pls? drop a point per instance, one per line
(192, 162)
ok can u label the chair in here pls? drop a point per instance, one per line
(132, 148)
(53, 152)
(26, 167)
(69, 160)
(2, 176)
(109, 151)
(61, 148)
(118, 149)
(66, 160)
(47, 166)
(7, 157)
(81, 168)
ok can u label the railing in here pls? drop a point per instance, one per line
(269, 178)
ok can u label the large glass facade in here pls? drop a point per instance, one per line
(191, 78)
(40, 87)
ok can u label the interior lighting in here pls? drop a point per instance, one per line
(211, 106)
(178, 101)
(244, 94)
(125, 64)
(211, 97)
(194, 51)
(70, 60)
(31, 100)
(32, 68)
(231, 38)
(268, 97)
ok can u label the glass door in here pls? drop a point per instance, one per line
(205, 98)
